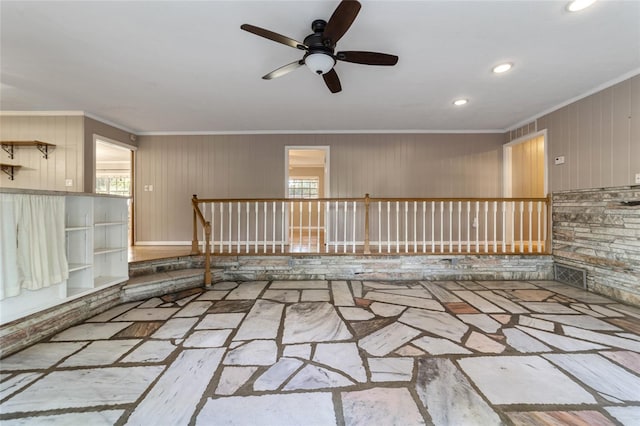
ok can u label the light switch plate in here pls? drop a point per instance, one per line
(637, 177)
(559, 160)
(69, 182)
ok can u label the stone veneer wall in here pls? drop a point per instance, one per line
(376, 267)
(594, 230)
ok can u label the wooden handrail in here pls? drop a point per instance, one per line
(207, 237)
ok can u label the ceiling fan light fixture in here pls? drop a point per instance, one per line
(499, 69)
(577, 5)
(319, 63)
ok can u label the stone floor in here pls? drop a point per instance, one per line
(325, 353)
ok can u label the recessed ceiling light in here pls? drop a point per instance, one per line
(577, 5)
(499, 69)
(460, 102)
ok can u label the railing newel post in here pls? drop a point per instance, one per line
(367, 201)
(194, 241)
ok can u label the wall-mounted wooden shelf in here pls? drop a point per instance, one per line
(10, 169)
(43, 147)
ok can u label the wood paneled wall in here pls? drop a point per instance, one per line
(599, 136)
(65, 161)
(383, 165)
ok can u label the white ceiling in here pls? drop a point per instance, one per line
(177, 66)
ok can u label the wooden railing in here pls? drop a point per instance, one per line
(373, 225)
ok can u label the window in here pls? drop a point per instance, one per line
(115, 185)
(304, 187)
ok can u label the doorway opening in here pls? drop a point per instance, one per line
(307, 179)
(114, 173)
(525, 176)
(525, 166)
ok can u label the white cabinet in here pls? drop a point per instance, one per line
(96, 248)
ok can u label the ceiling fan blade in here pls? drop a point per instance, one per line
(341, 20)
(332, 81)
(274, 36)
(367, 58)
(285, 69)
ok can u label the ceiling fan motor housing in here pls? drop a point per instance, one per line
(317, 45)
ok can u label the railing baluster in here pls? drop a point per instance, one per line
(300, 231)
(318, 229)
(282, 225)
(521, 226)
(539, 204)
(415, 226)
(290, 231)
(477, 223)
(335, 239)
(264, 241)
(230, 226)
(441, 226)
(406, 226)
(388, 227)
(246, 243)
(221, 227)
(344, 236)
(309, 226)
(486, 228)
(353, 238)
(504, 226)
(238, 231)
(469, 225)
(424, 226)
(379, 227)
(433, 227)
(273, 229)
(255, 242)
(530, 226)
(495, 224)
(397, 227)
(547, 213)
(213, 222)
(459, 226)
(450, 226)
(513, 227)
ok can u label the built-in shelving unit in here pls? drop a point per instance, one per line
(97, 253)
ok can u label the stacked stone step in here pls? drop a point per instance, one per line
(163, 276)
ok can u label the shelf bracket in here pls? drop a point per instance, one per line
(8, 149)
(44, 149)
(9, 170)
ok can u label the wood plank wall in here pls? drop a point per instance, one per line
(599, 136)
(65, 161)
(383, 165)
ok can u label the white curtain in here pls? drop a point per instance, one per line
(40, 257)
(9, 280)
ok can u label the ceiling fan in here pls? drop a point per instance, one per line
(320, 56)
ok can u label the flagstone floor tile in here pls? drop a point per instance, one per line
(325, 352)
(440, 385)
(523, 380)
(381, 406)
(91, 331)
(84, 388)
(93, 418)
(293, 409)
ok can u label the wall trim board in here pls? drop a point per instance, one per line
(163, 243)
